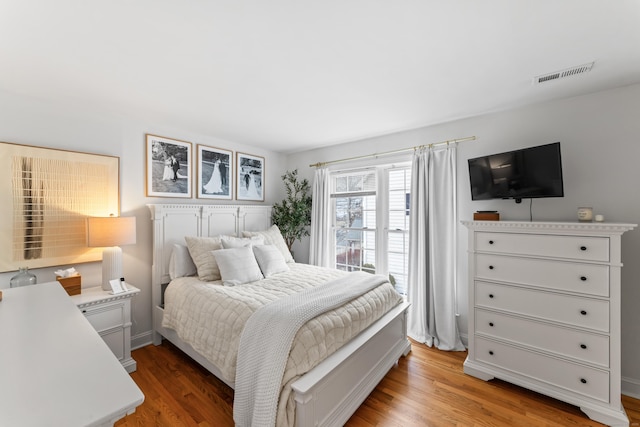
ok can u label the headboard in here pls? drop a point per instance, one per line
(172, 222)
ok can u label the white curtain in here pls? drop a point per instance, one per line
(320, 240)
(432, 249)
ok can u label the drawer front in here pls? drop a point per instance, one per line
(569, 310)
(571, 247)
(590, 279)
(590, 382)
(579, 345)
(105, 316)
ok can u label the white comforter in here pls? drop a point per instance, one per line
(211, 318)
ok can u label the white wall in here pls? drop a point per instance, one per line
(600, 142)
(29, 121)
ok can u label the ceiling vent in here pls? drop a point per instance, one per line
(563, 73)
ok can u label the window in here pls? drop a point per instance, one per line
(399, 185)
(371, 221)
(354, 206)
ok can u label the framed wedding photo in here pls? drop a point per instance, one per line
(168, 167)
(250, 177)
(215, 173)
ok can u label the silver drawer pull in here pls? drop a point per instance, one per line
(583, 346)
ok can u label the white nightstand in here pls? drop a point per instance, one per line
(110, 315)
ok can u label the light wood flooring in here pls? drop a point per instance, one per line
(427, 388)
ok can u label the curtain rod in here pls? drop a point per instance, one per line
(386, 153)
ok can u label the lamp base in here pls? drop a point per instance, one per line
(111, 266)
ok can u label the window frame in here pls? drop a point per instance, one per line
(381, 195)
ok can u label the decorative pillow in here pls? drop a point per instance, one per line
(230, 242)
(237, 266)
(272, 236)
(180, 262)
(200, 249)
(270, 260)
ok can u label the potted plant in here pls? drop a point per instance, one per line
(293, 214)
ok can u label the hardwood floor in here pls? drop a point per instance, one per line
(427, 388)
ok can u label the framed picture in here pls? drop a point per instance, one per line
(168, 167)
(215, 173)
(250, 173)
(47, 195)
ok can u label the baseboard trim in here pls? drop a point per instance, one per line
(631, 387)
(141, 340)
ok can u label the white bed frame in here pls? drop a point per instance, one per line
(332, 391)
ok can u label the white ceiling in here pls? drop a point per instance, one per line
(290, 75)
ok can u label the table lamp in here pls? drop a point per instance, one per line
(109, 233)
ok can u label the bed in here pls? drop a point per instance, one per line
(329, 392)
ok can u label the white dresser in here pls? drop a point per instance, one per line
(544, 310)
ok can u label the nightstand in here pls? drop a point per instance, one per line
(110, 315)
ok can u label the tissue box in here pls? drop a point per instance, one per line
(72, 284)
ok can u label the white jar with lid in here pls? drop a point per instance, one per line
(585, 214)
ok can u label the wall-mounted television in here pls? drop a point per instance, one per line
(520, 174)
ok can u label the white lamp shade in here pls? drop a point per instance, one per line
(110, 233)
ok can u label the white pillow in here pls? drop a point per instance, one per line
(180, 262)
(200, 249)
(272, 236)
(230, 242)
(270, 260)
(237, 266)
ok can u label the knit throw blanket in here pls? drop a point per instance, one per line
(267, 338)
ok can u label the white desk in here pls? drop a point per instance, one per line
(54, 368)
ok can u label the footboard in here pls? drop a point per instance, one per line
(332, 391)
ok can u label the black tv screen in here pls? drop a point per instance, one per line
(521, 174)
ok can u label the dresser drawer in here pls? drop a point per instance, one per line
(579, 345)
(570, 310)
(590, 279)
(105, 316)
(572, 247)
(590, 382)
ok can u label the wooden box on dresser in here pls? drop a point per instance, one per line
(544, 310)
